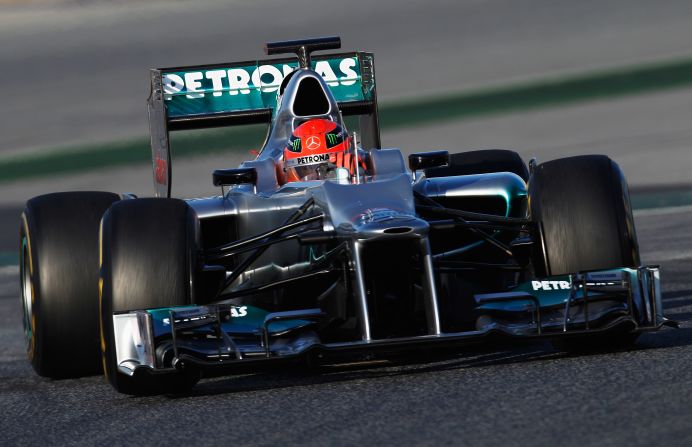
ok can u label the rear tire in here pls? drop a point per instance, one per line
(59, 281)
(149, 251)
(583, 208)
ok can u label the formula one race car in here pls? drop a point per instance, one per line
(325, 246)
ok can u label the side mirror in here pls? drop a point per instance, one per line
(238, 176)
(425, 160)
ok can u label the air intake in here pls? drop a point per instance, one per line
(310, 98)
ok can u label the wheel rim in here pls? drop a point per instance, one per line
(26, 288)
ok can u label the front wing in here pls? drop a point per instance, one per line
(224, 338)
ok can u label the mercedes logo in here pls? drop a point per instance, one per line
(312, 142)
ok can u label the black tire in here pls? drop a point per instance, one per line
(482, 162)
(582, 205)
(59, 281)
(149, 251)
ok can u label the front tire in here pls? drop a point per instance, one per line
(582, 204)
(149, 250)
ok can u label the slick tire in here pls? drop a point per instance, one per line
(58, 261)
(585, 222)
(582, 205)
(482, 162)
(149, 250)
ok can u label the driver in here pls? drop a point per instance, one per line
(315, 150)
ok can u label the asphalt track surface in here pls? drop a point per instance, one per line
(495, 395)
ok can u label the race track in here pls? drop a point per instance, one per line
(496, 395)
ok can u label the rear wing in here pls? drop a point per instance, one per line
(205, 96)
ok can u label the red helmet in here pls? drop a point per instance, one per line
(316, 148)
